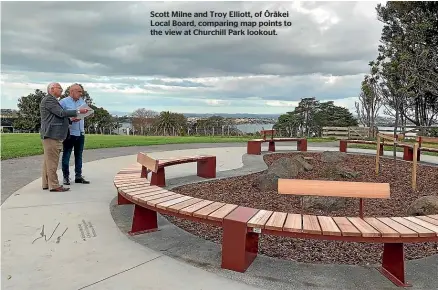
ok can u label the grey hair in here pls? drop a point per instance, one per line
(50, 87)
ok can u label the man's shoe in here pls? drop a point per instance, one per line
(45, 188)
(81, 180)
(66, 181)
(60, 189)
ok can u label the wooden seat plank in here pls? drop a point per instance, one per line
(293, 223)
(205, 211)
(178, 206)
(365, 229)
(385, 230)
(197, 206)
(404, 231)
(333, 188)
(164, 205)
(143, 189)
(129, 182)
(136, 185)
(259, 219)
(328, 226)
(145, 199)
(434, 216)
(428, 219)
(423, 223)
(222, 212)
(155, 201)
(276, 221)
(346, 227)
(311, 225)
(422, 232)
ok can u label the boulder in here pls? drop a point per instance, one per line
(425, 205)
(282, 168)
(333, 156)
(324, 203)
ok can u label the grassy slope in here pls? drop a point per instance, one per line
(20, 145)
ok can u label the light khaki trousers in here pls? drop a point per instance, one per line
(52, 150)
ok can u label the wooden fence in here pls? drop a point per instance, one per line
(348, 132)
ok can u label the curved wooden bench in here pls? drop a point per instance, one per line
(206, 166)
(254, 146)
(343, 144)
(242, 225)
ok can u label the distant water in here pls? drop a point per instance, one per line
(252, 128)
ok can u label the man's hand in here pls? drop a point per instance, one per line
(75, 119)
(83, 111)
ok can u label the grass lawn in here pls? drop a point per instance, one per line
(399, 149)
(21, 145)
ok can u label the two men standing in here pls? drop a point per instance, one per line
(54, 130)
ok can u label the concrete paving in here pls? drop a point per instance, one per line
(78, 240)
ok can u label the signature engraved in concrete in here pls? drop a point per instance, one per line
(82, 231)
(43, 234)
(92, 229)
(87, 230)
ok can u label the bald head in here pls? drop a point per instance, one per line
(54, 89)
(75, 91)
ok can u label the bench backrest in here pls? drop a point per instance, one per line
(270, 132)
(423, 139)
(333, 188)
(147, 161)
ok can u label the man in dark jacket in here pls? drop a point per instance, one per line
(54, 130)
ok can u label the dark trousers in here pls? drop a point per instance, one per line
(75, 143)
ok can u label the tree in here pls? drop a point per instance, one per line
(29, 116)
(171, 123)
(370, 102)
(407, 61)
(143, 119)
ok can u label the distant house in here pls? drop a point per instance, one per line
(8, 117)
(124, 129)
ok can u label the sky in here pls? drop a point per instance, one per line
(108, 48)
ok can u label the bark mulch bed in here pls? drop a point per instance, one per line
(240, 191)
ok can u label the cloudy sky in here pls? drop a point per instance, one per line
(107, 47)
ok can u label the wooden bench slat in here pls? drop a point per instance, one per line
(333, 188)
(434, 216)
(136, 185)
(222, 212)
(276, 221)
(328, 226)
(428, 219)
(346, 227)
(144, 189)
(155, 201)
(164, 205)
(205, 211)
(423, 223)
(139, 181)
(365, 229)
(404, 231)
(147, 161)
(197, 206)
(385, 230)
(135, 194)
(178, 206)
(127, 175)
(145, 199)
(293, 223)
(422, 232)
(260, 218)
(311, 225)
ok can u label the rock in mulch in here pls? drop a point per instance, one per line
(285, 167)
(324, 203)
(241, 190)
(426, 205)
(333, 156)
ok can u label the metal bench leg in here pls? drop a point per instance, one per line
(254, 147)
(342, 146)
(393, 264)
(271, 147)
(158, 178)
(207, 168)
(239, 247)
(122, 200)
(302, 145)
(143, 221)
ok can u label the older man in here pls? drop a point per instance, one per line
(75, 140)
(54, 129)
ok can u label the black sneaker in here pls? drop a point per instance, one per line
(81, 180)
(66, 181)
